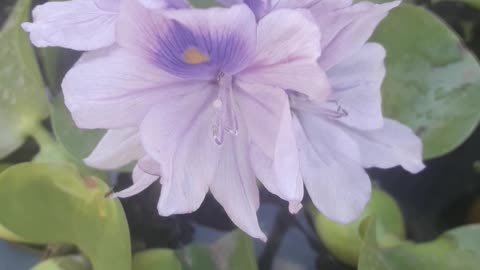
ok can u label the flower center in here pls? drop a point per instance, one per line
(225, 119)
(193, 56)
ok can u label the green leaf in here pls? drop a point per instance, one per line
(156, 259)
(73, 262)
(50, 62)
(52, 203)
(235, 251)
(78, 142)
(55, 62)
(3, 167)
(4, 233)
(196, 257)
(473, 3)
(23, 101)
(433, 81)
(334, 235)
(458, 249)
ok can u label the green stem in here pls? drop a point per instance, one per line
(43, 138)
(50, 150)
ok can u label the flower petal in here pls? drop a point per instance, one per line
(191, 44)
(356, 84)
(323, 4)
(235, 186)
(108, 5)
(394, 144)
(114, 89)
(116, 149)
(273, 150)
(77, 24)
(338, 185)
(141, 181)
(344, 31)
(157, 4)
(329, 134)
(287, 50)
(177, 133)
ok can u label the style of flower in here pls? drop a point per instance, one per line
(82, 25)
(205, 91)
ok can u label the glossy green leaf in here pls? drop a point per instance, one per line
(52, 203)
(433, 81)
(334, 236)
(156, 259)
(73, 262)
(3, 167)
(78, 142)
(50, 62)
(235, 251)
(458, 249)
(473, 3)
(55, 62)
(23, 100)
(4, 233)
(196, 257)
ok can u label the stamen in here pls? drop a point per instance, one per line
(194, 57)
(226, 119)
(331, 108)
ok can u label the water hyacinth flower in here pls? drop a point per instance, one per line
(286, 91)
(338, 138)
(206, 90)
(82, 25)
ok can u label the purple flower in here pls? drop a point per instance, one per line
(206, 90)
(338, 138)
(82, 25)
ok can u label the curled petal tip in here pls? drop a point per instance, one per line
(111, 196)
(263, 237)
(165, 211)
(26, 26)
(89, 162)
(416, 168)
(295, 207)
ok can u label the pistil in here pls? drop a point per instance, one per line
(224, 106)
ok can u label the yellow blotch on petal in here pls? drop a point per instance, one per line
(194, 57)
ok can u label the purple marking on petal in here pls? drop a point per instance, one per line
(259, 7)
(198, 53)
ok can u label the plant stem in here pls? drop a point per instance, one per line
(50, 150)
